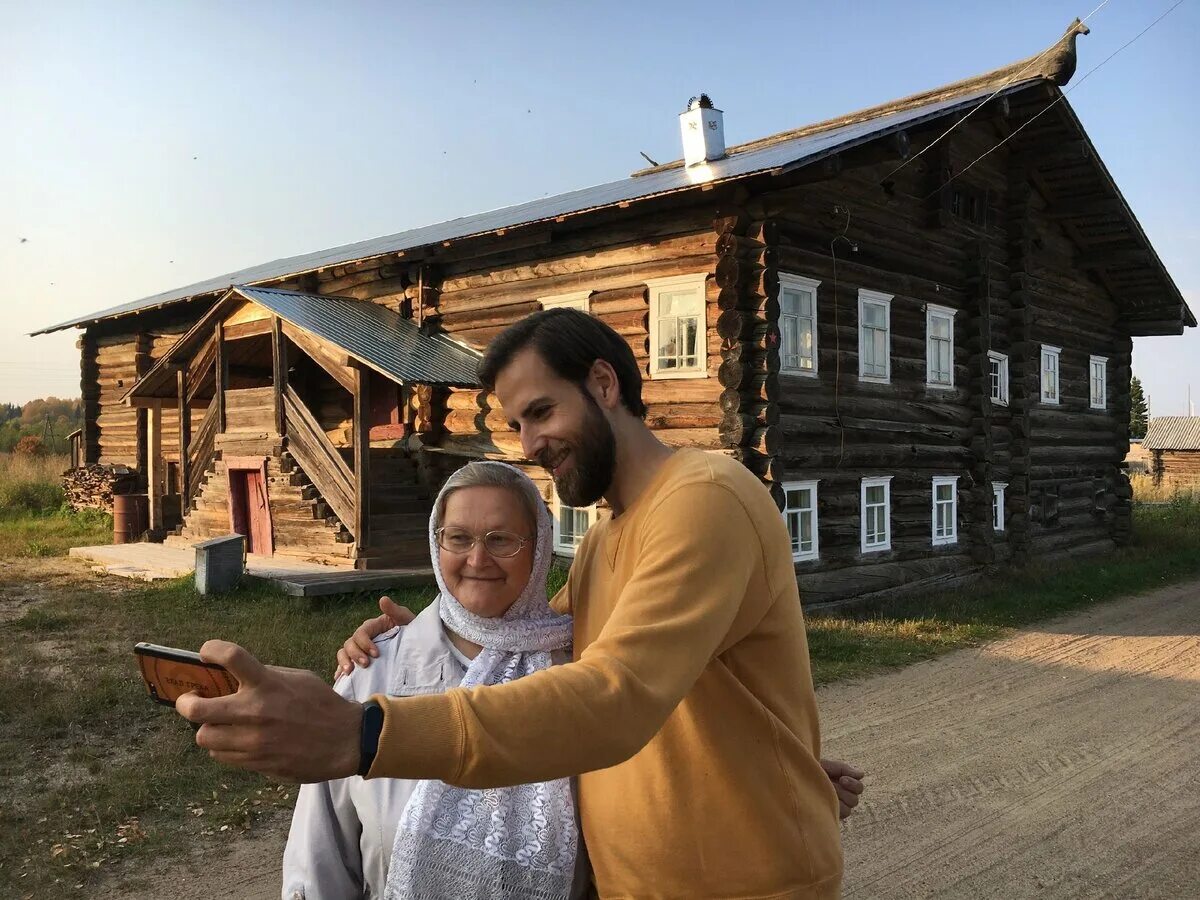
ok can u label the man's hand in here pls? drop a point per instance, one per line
(360, 647)
(284, 723)
(847, 781)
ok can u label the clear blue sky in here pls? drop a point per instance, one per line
(148, 145)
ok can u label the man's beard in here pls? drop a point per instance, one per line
(594, 463)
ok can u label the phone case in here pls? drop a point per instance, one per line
(170, 673)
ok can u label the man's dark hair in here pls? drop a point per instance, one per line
(569, 341)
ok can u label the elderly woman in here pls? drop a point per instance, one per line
(490, 541)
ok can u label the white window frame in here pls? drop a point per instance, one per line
(557, 506)
(811, 486)
(580, 300)
(1100, 402)
(865, 298)
(933, 311)
(798, 284)
(1002, 359)
(998, 488)
(884, 481)
(1050, 352)
(660, 286)
(952, 536)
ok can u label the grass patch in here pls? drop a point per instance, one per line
(31, 484)
(38, 535)
(1165, 549)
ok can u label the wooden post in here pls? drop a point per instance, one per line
(185, 437)
(362, 455)
(154, 465)
(279, 360)
(222, 370)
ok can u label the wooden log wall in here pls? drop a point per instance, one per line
(1177, 468)
(746, 291)
(1075, 451)
(477, 298)
(116, 363)
(836, 429)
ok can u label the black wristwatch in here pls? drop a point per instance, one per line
(368, 743)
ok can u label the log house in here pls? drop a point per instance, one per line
(920, 345)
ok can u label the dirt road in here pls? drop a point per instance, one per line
(1061, 762)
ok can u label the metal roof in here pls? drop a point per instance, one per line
(782, 155)
(1173, 433)
(374, 335)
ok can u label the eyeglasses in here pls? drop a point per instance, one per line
(500, 544)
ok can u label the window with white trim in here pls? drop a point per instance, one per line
(580, 300)
(570, 525)
(1049, 370)
(678, 334)
(1098, 379)
(874, 336)
(798, 324)
(945, 509)
(998, 377)
(939, 346)
(800, 514)
(998, 488)
(876, 508)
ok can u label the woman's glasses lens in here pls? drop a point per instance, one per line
(498, 543)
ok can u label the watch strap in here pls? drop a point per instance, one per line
(372, 727)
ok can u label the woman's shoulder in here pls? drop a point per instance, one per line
(414, 646)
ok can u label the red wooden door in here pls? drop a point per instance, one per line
(260, 515)
(249, 510)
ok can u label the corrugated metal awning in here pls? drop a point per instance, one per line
(1173, 433)
(372, 334)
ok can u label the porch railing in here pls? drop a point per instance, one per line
(200, 454)
(319, 459)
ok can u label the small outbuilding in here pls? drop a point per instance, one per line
(1173, 444)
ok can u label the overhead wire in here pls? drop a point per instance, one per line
(982, 103)
(1057, 100)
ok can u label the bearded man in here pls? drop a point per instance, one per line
(688, 713)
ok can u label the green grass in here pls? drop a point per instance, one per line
(31, 484)
(40, 535)
(1165, 549)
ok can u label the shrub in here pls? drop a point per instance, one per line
(30, 445)
(30, 484)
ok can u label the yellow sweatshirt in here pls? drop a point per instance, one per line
(689, 708)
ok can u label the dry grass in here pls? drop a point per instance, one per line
(31, 484)
(1145, 490)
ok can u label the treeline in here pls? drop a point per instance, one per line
(39, 426)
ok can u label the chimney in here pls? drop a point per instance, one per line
(703, 129)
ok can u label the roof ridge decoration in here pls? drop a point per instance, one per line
(1055, 64)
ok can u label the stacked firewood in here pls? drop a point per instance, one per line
(92, 487)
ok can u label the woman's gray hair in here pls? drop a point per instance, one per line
(489, 474)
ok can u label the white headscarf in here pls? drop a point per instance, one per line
(516, 842)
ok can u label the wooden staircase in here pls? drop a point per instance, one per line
(304, 524)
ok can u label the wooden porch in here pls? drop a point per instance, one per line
(282, 449)
(153, 562)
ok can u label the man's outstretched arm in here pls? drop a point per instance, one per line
(666, 626)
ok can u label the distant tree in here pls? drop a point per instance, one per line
(1139, 409)
(30, 445)
(9, 411)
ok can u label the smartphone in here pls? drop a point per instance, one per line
(170, 673)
